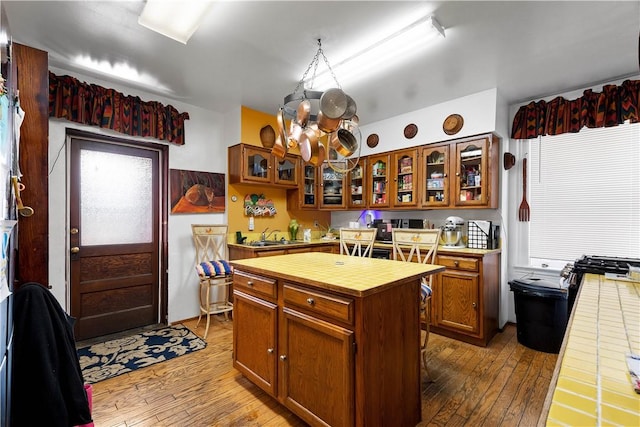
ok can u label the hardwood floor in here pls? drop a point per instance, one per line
(502, 385)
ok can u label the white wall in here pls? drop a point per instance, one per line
(207, 138)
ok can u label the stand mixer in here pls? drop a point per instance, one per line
(452, 232)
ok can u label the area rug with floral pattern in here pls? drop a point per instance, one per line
(119, 356)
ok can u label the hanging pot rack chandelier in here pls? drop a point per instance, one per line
(322, 124)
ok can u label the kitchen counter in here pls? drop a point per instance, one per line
(591, 384)
(377, 245)
(347, 274)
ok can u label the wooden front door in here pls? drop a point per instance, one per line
(114, 236)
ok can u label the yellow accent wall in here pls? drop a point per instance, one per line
(251, 123)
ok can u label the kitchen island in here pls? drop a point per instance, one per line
(334, 338)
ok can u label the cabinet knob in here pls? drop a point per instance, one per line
(457, 173)
(456, 263)
(283, 357)
(310, 301)
(249, 283)
(445, 175)
(474, 305)
(270, 350)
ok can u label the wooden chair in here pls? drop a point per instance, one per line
(214, 272)
(357, 241)
(419, 245)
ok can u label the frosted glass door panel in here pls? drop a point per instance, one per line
(114, 190)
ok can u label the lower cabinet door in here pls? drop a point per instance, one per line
(254, 346)
(457, 298)
(317, 369)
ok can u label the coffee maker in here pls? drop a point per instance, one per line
(452, 232)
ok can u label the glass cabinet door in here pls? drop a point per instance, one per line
(332, 187)
(405, 180)
(309, 195)
(378, 167)
(287, 170)
(435, 190)
(258, 163)
(356, 186)
(471, 171)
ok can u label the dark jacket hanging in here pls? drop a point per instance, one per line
(47, 383)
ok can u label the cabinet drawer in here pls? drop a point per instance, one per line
(333, 306)
(255, 285)
(459, 263)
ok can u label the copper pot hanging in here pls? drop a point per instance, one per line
(279, 148)
(326, 124)
(333, 103)
(345, 140)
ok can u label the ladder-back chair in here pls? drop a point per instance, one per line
(357, 241)
(419, 245)
(214, 272)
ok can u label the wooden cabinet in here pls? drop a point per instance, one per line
(461, 174)
(378, 181)
(357, 186)
(306, 195)
(405, 178)
(465, 297)
(435, 166)
(332, 188)
(250, 164)
(322, 393)
(255, 328)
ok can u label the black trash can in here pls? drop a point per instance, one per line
(541, 313)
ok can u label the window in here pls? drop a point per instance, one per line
(585, 195)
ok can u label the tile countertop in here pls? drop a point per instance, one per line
(591, 384)
(379, 245)
(342, 273)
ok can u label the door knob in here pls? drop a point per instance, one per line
(74, 230)
(75, 250)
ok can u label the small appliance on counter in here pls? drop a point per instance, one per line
(452, 232)
(384, 227)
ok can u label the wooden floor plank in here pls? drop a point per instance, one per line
(473, 386)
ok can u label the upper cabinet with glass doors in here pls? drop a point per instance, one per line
(461, 173)
(435, 191)
(404, 186)
(332, 186)
(378, 181)
(357, 186)
(250, 164)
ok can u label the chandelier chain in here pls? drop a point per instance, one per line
(314, 64)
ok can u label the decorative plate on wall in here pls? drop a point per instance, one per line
(372, 140)
(452, 124)
(410, 131)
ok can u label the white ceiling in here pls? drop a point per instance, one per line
(254, 53)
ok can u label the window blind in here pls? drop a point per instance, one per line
(585, 194)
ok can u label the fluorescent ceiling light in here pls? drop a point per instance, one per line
(174, 19)
(383, 54)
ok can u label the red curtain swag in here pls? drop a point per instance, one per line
(94, 105)
(611, 107)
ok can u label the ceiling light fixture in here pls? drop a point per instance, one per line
(175, 19)
(386, 52)
(323, 124)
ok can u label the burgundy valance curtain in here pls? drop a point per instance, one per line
(94, 105)
(611, 107)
